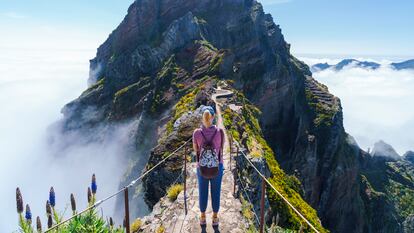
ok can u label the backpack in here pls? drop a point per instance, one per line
(208, 157)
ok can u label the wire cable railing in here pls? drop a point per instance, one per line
(266, 181)
(250, 202)
(124, 189)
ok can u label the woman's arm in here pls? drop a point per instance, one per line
(195, 146)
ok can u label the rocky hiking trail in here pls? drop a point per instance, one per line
(171, 215)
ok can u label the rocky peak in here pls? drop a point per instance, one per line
(382, 149)
(152, 29)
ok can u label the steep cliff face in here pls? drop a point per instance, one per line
(161, 62)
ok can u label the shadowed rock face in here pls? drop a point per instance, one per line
(164, 49)
(409, 156)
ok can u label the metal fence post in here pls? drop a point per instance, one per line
(127, 225)
(262, 201)
(185, 180)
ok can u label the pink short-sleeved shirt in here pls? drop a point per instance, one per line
(208, 133)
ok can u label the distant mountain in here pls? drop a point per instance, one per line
(320, 66)
(346, 62)
(362, 64)
(382, 149)
(409, 64)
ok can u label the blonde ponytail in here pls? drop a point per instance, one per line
(207, 119)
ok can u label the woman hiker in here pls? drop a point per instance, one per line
(208, 143)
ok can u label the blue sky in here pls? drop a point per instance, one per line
(368, 27)
(361, 27)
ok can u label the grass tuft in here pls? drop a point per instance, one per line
(161, 229)
(136, 225)
(174, 190)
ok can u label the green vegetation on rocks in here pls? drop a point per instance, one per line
(399, 186)
(323, 113)
(143, 83)
(185, 104)
(96, 86)
(99, 83)
(245, 127)
(247, 212)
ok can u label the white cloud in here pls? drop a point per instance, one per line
(44, 36)
(34, 86)
(14, 15)
(377, 104)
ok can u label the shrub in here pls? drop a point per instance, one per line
(173, 191)
(136, 225)
(161, 229)
(247, 211)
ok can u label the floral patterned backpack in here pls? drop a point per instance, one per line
(208, 157)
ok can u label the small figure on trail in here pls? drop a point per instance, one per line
(208, 142)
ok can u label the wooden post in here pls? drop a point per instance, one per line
(230, 146)
(235, 173)
(262, 210)
(127, 225)
(185, 180)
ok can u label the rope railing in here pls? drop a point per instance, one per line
(124, 189)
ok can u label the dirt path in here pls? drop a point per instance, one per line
(171, 215)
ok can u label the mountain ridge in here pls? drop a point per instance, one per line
(160, 62)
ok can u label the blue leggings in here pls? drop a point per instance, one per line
(215, 185)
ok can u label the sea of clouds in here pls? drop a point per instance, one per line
(377, 104)
(34, 86)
